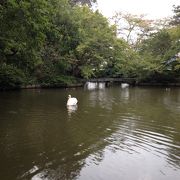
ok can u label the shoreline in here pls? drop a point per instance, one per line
(38, 86)
(140, 84)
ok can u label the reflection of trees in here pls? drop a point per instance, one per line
(143, 120)
(40, 135)
(139, 120)
(154, 124)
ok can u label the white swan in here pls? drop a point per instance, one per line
(71, 101)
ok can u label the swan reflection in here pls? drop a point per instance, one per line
(72, 109)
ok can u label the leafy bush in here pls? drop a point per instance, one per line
(10, 77)
(57, 81)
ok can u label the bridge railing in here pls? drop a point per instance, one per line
(125, 80)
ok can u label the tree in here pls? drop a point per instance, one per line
(22, 36)
(132, 28)
(158, 44)
(94, 49)
(61, 40)
(176, 18)
(83, 2)
(161, 50)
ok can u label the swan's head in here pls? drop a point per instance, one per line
(69, 96)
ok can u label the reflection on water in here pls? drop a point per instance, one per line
(125, 94)
(124, 85)
(101, 85)
(114, 133)
(94, 85)
(72, 109)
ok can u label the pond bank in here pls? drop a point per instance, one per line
(81, 84)
(158, 84)
(37, 86)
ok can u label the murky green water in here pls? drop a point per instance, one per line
(114, 133)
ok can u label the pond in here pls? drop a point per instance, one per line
(113, 133)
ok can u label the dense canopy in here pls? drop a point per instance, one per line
(52, 43)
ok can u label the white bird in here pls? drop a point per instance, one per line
(71, 101)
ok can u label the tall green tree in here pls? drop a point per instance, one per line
(61, 40)
(23, 24)
(95, 48)
(176, 18)
(22, 35)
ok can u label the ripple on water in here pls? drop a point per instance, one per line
(113, 134)
(132, 139)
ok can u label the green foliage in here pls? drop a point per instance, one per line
(22, 33)
(57, 81)
(87, 71)
(53, 43)
(157, 44)
(10, 77)
(159, 50)
(176, 18)
(97, 38)
(83, 2)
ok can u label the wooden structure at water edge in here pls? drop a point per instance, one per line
(131, 81)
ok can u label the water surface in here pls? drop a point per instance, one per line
(113, 133)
